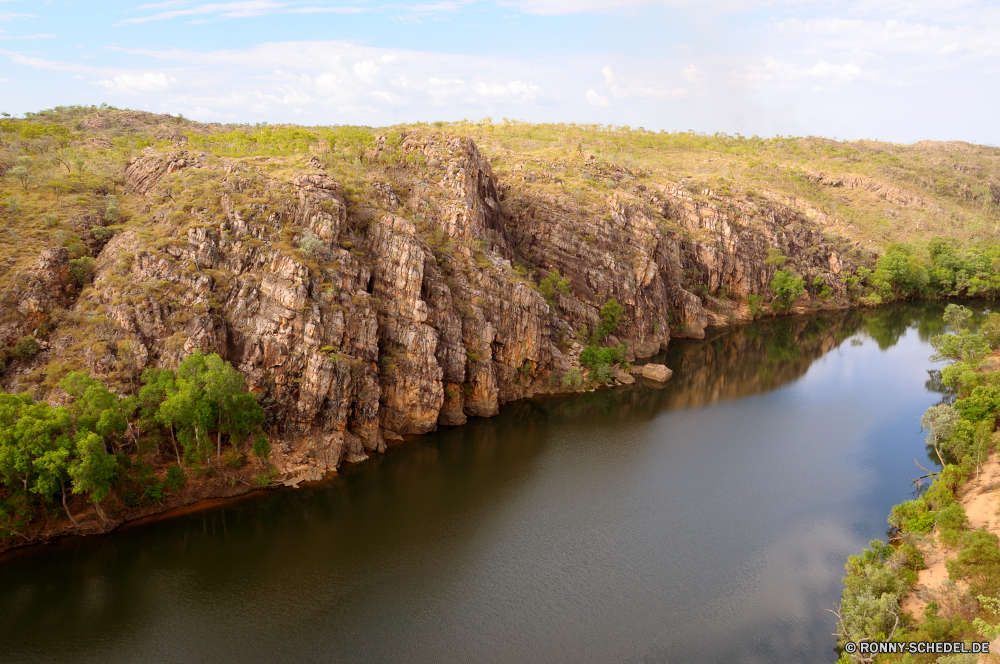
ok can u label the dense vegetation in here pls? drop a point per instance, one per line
(961, 437)
(50, 452)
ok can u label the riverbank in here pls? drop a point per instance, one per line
(938, 577)
(203, 485)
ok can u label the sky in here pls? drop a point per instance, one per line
(892, 70)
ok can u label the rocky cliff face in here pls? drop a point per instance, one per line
(358, 323)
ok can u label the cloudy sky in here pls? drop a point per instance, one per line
(888, 69)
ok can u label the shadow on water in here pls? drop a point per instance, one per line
(582, 528)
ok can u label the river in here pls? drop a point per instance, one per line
(706, 521)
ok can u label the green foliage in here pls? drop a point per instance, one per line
(34, 439)
(96, 408)
(112, 210)
(899, 272)
(81, 269)
(775, 258)
(875, 582)
(990, 331)
(93, 469)
(553, 284)
(593, 357)
(952, 523)
(787, 287)
(978, 563)
(982, 404)
(262, 480)
(963, 345)
(206, 393)
(26, 348)
(754, 302)
(913, 516)
(611, 314)
(175, 480)
(572, 378)
(314, 248)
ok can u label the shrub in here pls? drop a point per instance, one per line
(265, 479)
(112, 211)
(912, 516)
(978, 563)
(314, 248)
(553, 284)
(81, 269)
(611, 314)
(594, 356)
(982, 404)
(952, 524)
(175, 480)
(754, 303)
(787, 287)
(572, 378)
(602, 374)
(990, 330)
(102, 233)
(26, 348)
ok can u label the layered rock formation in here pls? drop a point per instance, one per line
(359, 323)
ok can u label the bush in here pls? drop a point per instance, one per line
(912, 516)
(265, 479)
(175, 480)
(112, 211)
(553, 284)
(102, 233)
(990, 330)
(314, 248)
(982, 404)
(26, 348)
(81, 269)
(787, 287)
(611, 314)
(595, 356)
(572, 378)
(602, 374)
(978, 563)
(952, 524)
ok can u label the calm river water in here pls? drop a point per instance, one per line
(707, 521)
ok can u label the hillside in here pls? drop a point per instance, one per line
(376, 283)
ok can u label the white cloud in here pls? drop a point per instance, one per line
(9, 16)
(366, 71)
(138, 83)
(230, 10)
(513, 90)
(596, 100)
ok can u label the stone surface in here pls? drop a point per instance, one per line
(621, 376)
(358, 323)
(657, 372)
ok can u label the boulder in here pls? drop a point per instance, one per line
(621, 376)
(657, 372)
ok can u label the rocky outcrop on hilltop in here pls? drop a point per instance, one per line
(357, 322)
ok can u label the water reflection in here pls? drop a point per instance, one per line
(621, 525)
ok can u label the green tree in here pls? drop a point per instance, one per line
(208, 393)
(157, 385)
(611, 314)
(990, 331)
(787, 287)
(553, 284)
(26, 348)
(92, 469)
(96, 408)
(28, 431)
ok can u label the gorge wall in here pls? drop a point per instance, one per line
(358, 322)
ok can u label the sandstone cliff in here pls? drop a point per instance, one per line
(361, 319)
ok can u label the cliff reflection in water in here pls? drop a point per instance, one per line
(732, 363)
(587, 528)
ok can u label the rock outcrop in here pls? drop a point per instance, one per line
(357, 323)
